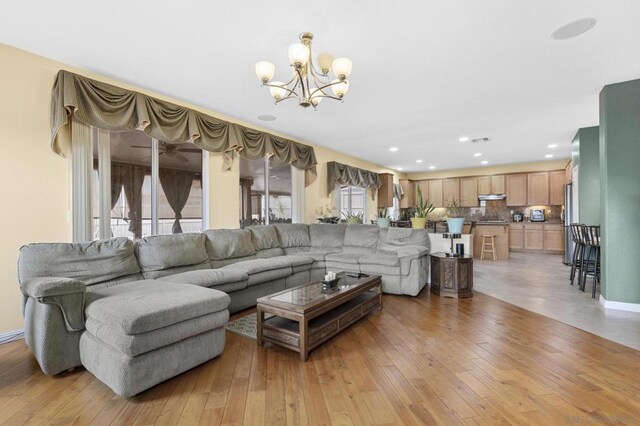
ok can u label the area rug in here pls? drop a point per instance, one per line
(245, 326)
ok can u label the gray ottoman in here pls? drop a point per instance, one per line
(142, 333)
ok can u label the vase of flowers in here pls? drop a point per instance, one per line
(383, 220)
(423, 208)
(455, 218)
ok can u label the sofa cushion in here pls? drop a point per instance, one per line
(293, 235)
(134, 345)
(91, 263)
(216, 264)
(264, 236)
(161, 252)
(142, 306)
(325, 235)
(392, 239)
(379, 259)
(224, 244)
(263, 270)
(361, 236)
(350, 258)
(269, 253)
(226, 280)
(299, 263)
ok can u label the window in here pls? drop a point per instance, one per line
(150, 187)
(266, 192)
(353, 200)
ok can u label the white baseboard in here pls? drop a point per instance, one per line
(621, 306)
(11, 336)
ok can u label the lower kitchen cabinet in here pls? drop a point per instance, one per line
(536, 237)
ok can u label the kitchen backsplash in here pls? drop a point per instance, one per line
(498, 210)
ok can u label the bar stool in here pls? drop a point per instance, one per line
(578, 252)
(488, 246)
(591, 235)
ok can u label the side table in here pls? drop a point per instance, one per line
(451, 276)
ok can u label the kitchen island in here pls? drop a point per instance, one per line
(498, 228)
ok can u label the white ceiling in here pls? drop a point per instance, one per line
(424, 72)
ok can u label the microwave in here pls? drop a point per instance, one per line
(537, 215)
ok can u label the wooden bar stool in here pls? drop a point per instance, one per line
(488, 246)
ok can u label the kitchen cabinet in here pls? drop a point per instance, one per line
(517, 189)
(408, 200)
(385, 192)
(568, 173)
(553, 238)
(501, 241)
(435, 193)
(484, 185)
(516, 236)
(536, 237)
(538, 189)
(424, 188)
(556, 187)
(533, 237)
(498, 184)
(469, 192)
(450, 191)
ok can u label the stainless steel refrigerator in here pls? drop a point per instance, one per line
(568, 211)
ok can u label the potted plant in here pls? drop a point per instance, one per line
(455, 218)
(352, 218)
(325, 214)
(383, 220)
(423, 208)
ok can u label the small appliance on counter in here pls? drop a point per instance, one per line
(537, 215)
(518, 217)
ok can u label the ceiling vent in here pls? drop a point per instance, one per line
(478, 140)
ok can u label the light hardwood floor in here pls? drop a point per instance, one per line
(421, 360)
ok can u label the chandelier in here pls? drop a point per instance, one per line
(308, 85)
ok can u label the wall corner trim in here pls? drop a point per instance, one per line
(11, 336)
(620, 306)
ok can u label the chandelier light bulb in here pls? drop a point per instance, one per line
(277, 92)
(325, 61)
(340, 88)
(342, 68)
(298, 54)
(265, 71)
(316, 97)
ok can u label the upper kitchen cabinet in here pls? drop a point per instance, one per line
(517, 189)
(498, 185)
(435, 193)
(556, 187)
(451, 190)
(469, 192)
(424, 188)
(385, 192)
(484, 185)
(408, 200)
(538, 189)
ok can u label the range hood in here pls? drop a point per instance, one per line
(490, 197)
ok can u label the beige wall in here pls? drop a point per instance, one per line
(35, 183)
(539, 166)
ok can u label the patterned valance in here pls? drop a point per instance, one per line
(113, 108)
(339, 174)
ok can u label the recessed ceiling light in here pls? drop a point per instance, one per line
(393, 149)
(484, 162)
(400, 168)
(432, 167)
(266, 117)
(548, 156)
(553, 145)
(477, 154)
(464, 139)
(573, 29)
(418, 161)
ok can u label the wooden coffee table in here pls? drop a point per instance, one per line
(306, 316)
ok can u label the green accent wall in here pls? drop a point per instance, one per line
(620, 191)
(586, 155)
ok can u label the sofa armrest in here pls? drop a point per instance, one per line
(66, 293)
(52, 286)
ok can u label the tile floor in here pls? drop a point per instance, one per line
(540, 283)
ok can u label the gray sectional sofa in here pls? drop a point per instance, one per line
(138, 314)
